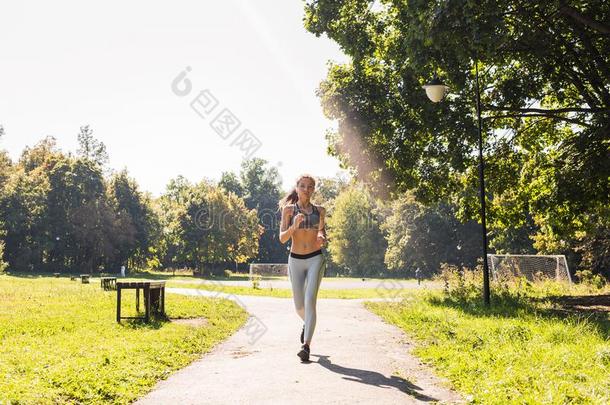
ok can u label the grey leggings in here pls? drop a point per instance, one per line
(305, 277)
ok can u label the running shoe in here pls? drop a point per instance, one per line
(304, 353)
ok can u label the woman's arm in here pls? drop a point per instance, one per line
(321, 227)
(285, 230)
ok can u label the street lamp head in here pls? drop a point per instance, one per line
(435, 90)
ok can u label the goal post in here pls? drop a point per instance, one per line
(269, 269)
(532, 267)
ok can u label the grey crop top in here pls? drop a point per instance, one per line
(311, 221)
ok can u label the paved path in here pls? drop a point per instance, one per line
(334, 284)
(356, 359)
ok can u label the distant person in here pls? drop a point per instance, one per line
(418, 275)
(303, 222)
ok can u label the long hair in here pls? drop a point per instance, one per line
(292, 197)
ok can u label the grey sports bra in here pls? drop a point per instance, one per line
(311, 221)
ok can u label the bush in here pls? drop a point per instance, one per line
(460, 282)
(256, 279)
(228, 273)
(589, 279)
(3, 264)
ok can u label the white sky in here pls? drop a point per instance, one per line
(110, 64)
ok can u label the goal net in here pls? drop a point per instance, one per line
(269, 269)
(532, 267)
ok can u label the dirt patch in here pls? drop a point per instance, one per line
(240, 352)
(194, 322)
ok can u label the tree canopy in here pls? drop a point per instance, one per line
(544, 73)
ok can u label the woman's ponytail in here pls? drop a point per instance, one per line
(290, 198)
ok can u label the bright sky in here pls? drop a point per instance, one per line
(111, 65)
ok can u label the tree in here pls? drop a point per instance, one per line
(5, 169)
(356, 243)
(23, 208)
(543, 69)
(139, 225)
(230, 182)
(91, 148)
(58, 214)
(378, 100)
(6, 164)
(262, 185)
(78, 216)
(424, 237)
(214, 228)
(327, 189)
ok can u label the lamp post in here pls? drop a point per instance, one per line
(436, 90)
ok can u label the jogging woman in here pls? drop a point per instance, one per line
(303, 222)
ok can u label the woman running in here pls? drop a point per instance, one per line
(304, 223)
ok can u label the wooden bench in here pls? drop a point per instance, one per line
(56, 275)
(84, 278)
(154, 298)
(108, 283)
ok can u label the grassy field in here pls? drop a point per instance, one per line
(60, 343)
(524, 349)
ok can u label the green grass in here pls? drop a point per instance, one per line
(521, 350)
(60, 343)
(285, 292)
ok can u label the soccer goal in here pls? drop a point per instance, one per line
(269, 269)
(532, 267)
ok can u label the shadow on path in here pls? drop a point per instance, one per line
(374, 378)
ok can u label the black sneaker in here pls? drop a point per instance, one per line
(304, 353)
(303, 335)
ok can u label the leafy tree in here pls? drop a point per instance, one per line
(91, 148)
(356, 243)
(168, 206)
(230, 182)
(57, 216)
(23, 208)
(213, 227)
(78, 215)
(327, 189)
(5, 169)
(543, 71)
(424, 237)
(262, 185)
(138, 223)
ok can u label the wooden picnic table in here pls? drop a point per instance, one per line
(154, 298)
(108, 283)
(84, 278)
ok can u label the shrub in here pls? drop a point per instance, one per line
(3, 264)
(589, 279)
(460, 282)
(256, 279)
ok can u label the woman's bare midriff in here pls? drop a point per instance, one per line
(305, 241)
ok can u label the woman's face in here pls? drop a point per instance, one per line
(305, 188)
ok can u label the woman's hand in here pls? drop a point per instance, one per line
(321, 240)
(297, 221)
